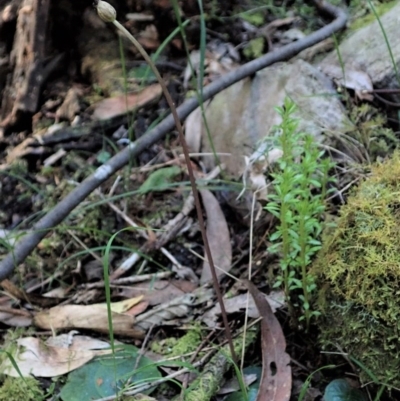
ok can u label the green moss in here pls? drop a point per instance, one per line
(361, 7)
(371, 131)
(188, 343)
(359, 271)
(17, 389)
(255, 48)
(179, 346)
(9, 345)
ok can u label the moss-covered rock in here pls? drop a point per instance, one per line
(359, 273)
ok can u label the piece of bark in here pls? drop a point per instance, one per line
(22, 90)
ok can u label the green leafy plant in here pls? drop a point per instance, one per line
(300, 187)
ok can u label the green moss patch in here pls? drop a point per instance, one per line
(18, 389)
(359, 271)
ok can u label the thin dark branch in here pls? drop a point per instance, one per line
(26, 245)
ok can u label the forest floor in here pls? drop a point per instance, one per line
(127, 265)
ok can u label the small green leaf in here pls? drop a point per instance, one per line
(254, 18)
(274, 236)
(103, 156)
(159, 180)
(341, 390)
(274, 248)
(142, 74)
(103, 377)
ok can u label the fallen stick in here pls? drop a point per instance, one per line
(28, 243)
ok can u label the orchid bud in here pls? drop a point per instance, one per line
(106, 11)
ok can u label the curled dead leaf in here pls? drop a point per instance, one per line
(118, 105)
(91, 317)
(34, 357)
(276, 379)
(218, 238)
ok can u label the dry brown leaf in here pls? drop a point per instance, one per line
(149, 38)
(193, 129)
(118, 105)
(271, 27)
(122, 306)
(240, 304)
(76, 343)
(56, 293)
(137, 309)
(57, 356)
(276, 379)
(70, 106)
(178, 307)
(13, 290)
(19, 151)
(25, 148)
(93, 317)
(15, 320)
(54, 158)
(35, 299)
(35, 357)
(218, 238)
(357, 80)
(158, 292)
(220, 58)
(14, 317)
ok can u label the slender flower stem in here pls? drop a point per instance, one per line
(110, 16)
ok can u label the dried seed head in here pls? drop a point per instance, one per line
(106, 11)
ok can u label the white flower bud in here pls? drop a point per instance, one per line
(106, 11)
